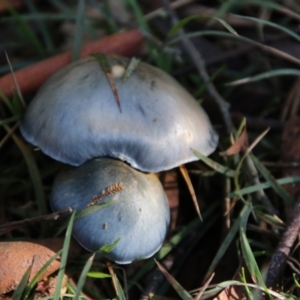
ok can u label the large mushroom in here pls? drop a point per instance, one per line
(74, 118)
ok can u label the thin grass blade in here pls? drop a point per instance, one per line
(286, 197)
(26, 30)
(185, 295)
(83, 275)
(250, 261)
(17, 295)
(265, 75)
(41, 24)
(91, 209)
(244, 214)
(98, 275)
(185, 21)
(188, 181)
(214, 165)
(34, 173)
(64, 257)
(262, 186)
(39, 273)
(108, 248)
(273, 25)
(261, 46)
(104, 64)
(134, 62)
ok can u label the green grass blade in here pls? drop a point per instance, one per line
(83, 275)
(26, 30)
(241, 127)
(103, 62)
(242, 39)
(273, 5)
(273, 25)
(40, 23)
(85, 212)
(39, 273)
(7, 121)
(138, 14)
(7, 102)
(286, 197)
(17, 295)
(70, 15)
(98, 275)
(184, 295)
(120, 291)
(64, 257)
(105, 66)
(265, 75)
(262, 186)
(134, 62)
(244, 214)
(214, 165)
(91, 209)
(33, 172)
(250, 261)
(186, 20)
(108, 248)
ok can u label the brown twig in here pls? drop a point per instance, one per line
(280, 257)
(30, 78)
(9, 134)
(7, 227)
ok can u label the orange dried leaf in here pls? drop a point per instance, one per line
(17, 256)
(240, 144)
(232, 293)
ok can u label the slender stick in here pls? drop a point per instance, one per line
(281, 255)
(7, 227)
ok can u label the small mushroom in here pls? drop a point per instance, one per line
(138, 216)
(75, 118)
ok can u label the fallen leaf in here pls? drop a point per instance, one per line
(17, 256)
(231, 293)
(240, 144)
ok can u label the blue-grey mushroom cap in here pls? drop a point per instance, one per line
(75, 117)
(138, 215)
